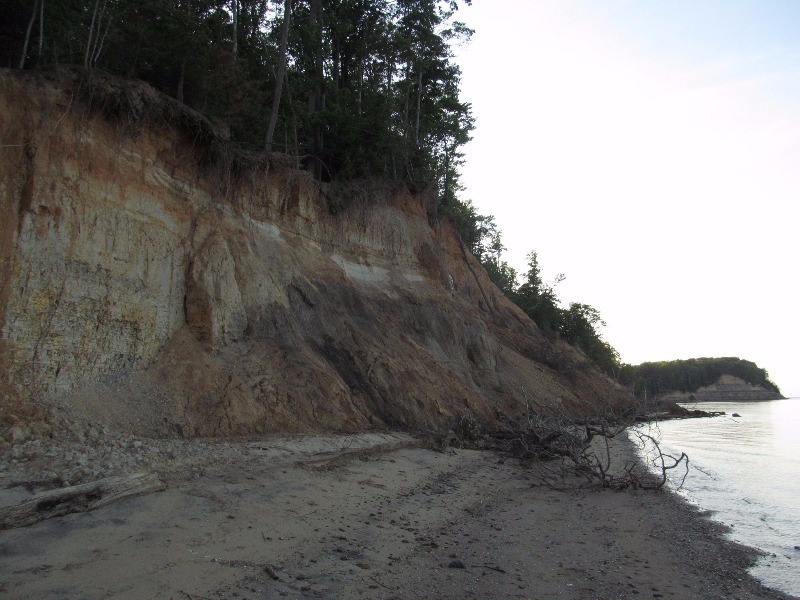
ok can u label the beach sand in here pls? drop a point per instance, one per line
(369, 516)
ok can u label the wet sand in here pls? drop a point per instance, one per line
(371, 516)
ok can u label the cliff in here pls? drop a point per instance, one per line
(157, 279)
(726, 389)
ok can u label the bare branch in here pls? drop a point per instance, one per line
(571, 452)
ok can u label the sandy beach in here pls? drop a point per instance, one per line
(366, 516)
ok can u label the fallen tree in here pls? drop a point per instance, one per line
(577, 452)
(77, 498)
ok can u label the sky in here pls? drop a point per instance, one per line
(650, 151)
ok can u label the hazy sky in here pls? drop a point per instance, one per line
(650, 151)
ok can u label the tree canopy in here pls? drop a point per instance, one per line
(356, 88)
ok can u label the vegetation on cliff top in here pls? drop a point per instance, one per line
(350, 88)
(579, 324)
(653, 378)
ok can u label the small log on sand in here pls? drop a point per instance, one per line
(77, 498)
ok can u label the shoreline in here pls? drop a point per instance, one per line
(734, 558)
(371, 516)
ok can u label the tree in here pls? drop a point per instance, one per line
(38, 10)
(279, 77)
(434, 122)
(539, 301)
(360, 88)
(501, 274)
(97, 33)
(316, 76)
(580, 327)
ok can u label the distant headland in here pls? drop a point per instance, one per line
(726, 379)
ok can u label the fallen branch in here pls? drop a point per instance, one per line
(574, 452)
(78, 498)
(490, 567)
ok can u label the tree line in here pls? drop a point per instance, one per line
(352, 88)
(653, 378)
(580, 324)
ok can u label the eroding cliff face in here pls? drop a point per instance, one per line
(160, 288)
(95, 240)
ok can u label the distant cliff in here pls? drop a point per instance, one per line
(727, 389)
(700, 379)
(158, 279)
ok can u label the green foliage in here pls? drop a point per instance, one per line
(578, 325)
(476, 231)
(502, 275)
(653, 378)
(500, 272)
(538, 300)
(371, 89)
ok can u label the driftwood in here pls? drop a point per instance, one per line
(77, 498)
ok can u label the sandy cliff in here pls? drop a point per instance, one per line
(156, 279)
(726, 389)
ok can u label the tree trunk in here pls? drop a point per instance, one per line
(97, 43)
(182, 75)
(181, 79)
(78, 498)
(295, 148)
(279, 77)
(336, 70)
(41, 29)
(99, 47)
(419, 109)
(91, 34)
(446, 192)
(360, 84)
(235, 13)
(407, 111)
(317, 98)
(28, 34)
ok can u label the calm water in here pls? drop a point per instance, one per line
(747, 470)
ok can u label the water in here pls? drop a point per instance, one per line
(747, 471)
